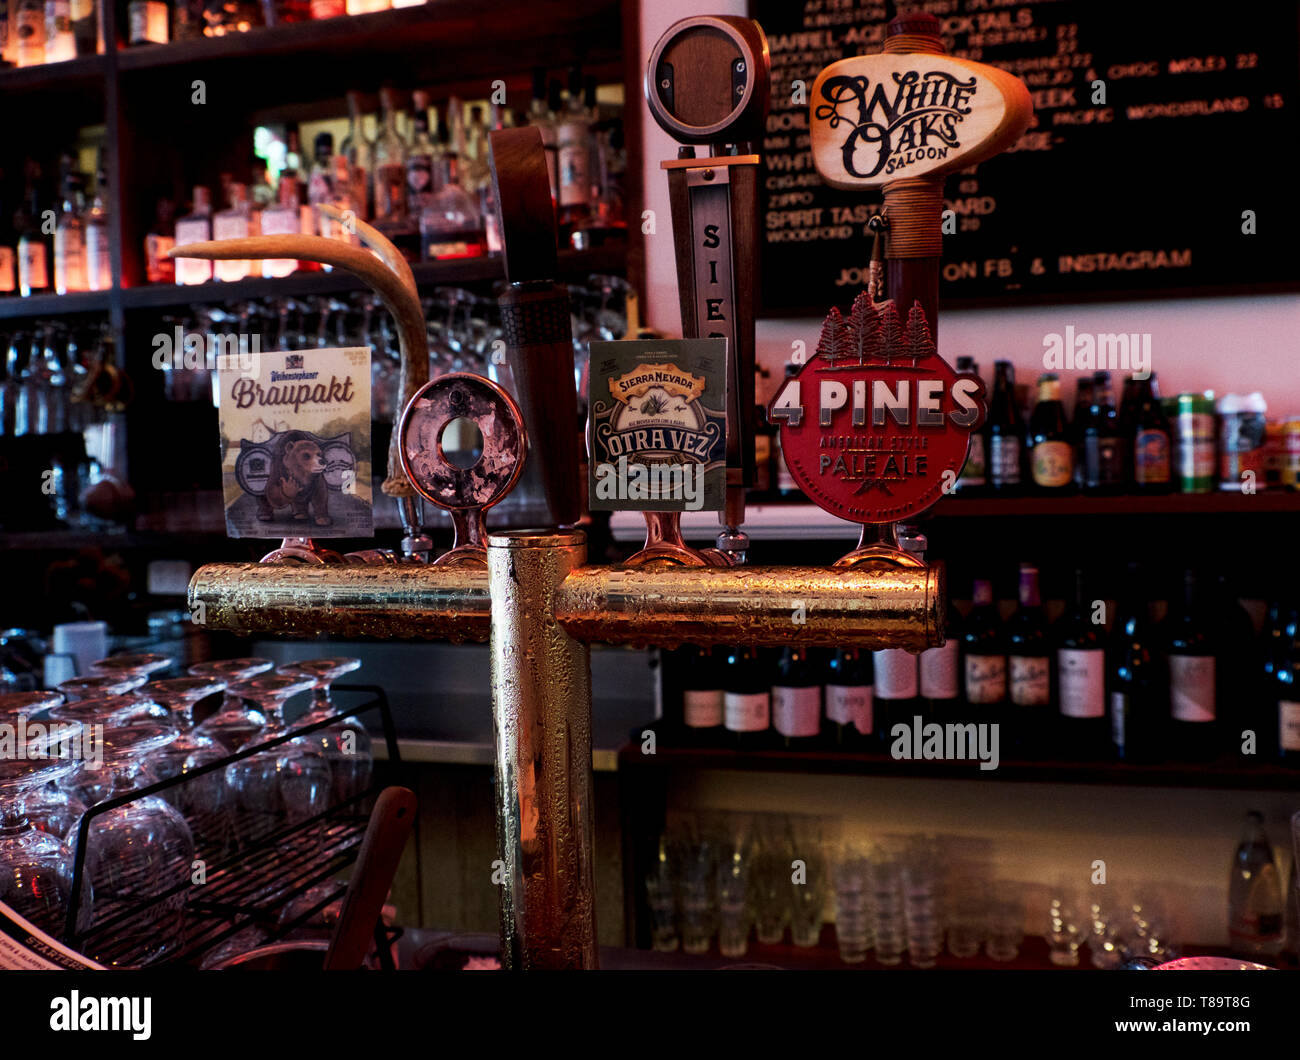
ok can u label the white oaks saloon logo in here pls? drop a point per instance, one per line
(896, 127)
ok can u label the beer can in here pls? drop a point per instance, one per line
(1196, 443)
(1241, 442)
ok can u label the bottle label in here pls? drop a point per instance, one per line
(1053, 464)
(99, 273)
(574, 166)
(1103, 460)
(159, 268)
(1191, 687)
(69, 260)
(973, 472)
(1004, 459)
(986, 678)
(419, 177)
(1030, 681)
(33, 268)
(702, 709)
(850, 705)
(1288, 718)
(8, 281)
(939, 671)
(747, 711)
(797, 711)
(1083, 683)
(896, 676)
(1151, 458)
(1118, 718)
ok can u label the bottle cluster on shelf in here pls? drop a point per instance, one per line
(1142, 443)
(33, 32)
(1099, 683)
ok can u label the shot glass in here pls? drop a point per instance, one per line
(850, 879)
(1006, 921)
(886, 878)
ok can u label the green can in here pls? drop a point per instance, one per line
(1196, 443)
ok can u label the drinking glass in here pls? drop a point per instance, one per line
(733, 902)
(36, 868)
(886, 877)
(1105, 943)
(345, 745)
(203, 798)
(51, 808)
(26, 704)
(968, 915)
(103, 685)
(1006, 921)
(696, 894)
(921, 904)
(808, 890)
(850, 878)
(89, 785)
(773, 860)
(289, 781)
(131, 664)
(235, 723)
(140, 853)
(1065, 927)
(1148, 932)
(661, 896)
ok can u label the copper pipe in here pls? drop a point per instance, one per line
(395, 601)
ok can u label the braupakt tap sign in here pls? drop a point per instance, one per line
(875, 425)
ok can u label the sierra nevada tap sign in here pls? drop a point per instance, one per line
(875, 425)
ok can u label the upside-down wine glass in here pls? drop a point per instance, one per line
(235, 723)
(102, 685)
(90, 786)
(345, 745)
(204, 798)
(131, 664)
(52, 808)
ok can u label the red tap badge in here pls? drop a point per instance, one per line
(874, 426)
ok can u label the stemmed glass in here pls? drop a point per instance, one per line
(36, 868)
(91, 785)
(345, 744)
(138, 852)
(50, 808)
(234, 724)
(103, 685)
(135, 664)
(206, 795)
(290, 780)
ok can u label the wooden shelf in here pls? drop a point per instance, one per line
(1231, 774)
(55, 305)
(85, 72)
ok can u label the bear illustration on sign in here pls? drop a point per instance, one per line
(297, 481)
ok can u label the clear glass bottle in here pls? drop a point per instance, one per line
(284, 218)
(158, 267)
(147, 22)
(27, 24)
(99, 268)
(390, 165)
(421, 157)
(85, 27)
(234, 222)
(70, 237)
(60, 44)
(451, 225)
(1256, 915)
(195, 227)
(574, 158)
(358, 152)
(320, 184)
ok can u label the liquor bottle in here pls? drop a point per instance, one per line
(849, 699)
(1190, 651)
(84, 26)
(1079, 424)
(746, 699)
(984, 657)
(1283, 695)
(1050, 455)
(450, 225)
(284, 218)
(420, 156)
(161, 237)
(322, 9)
(195, 227)
(60, 44)
(234, 222)
(1029, 667)
(573, 141)
(1256, 916)
(1105, 467)
(1004, 433)
(475, 171)
(70, 237)
(34, 249)
(974, 473)
(358, 151)
(8, 261)
(702, 696)
(607, 219)
(1081, 680)
(320, 185)
(541, 117)
(937, 667)
(1135, 681)
(390, 165)
(148, 22)
(1149, 439)
(99, 267)
(764, 453)
(366, 7)
(29, 29)
(796, 700)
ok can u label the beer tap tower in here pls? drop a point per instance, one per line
(530, 593)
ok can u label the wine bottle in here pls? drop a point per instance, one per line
(849, 699)
(1029, 667)
(796, 700)
(984, 657)
(1190, 651)
(746, 700)
(701, 692)
(1285, 697)
(938, 683)
(1079, 423)
(1050, 454)
(1272, 659)
(1004, 432)
(1134, 683)
(1081, 680)
(1105, 462)
(974, 472)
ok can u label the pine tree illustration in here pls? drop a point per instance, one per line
(919, 342)
(862, 328)
(891, 332)
(832, 344)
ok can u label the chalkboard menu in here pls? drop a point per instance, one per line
(1162, 155)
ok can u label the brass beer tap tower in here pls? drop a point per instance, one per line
(531, 593)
